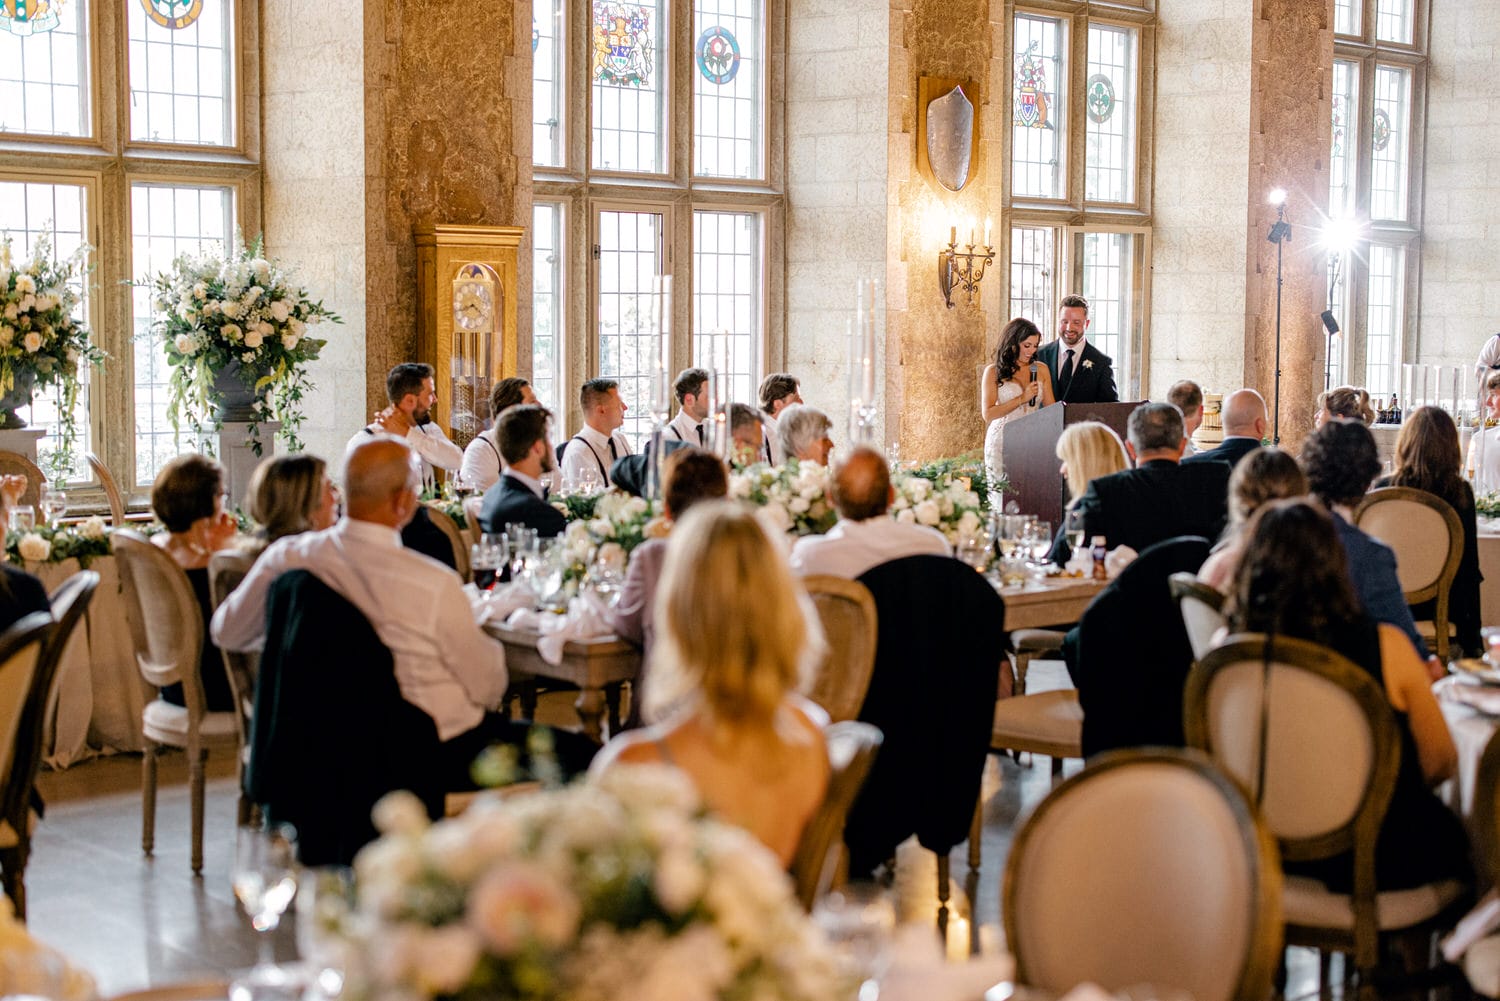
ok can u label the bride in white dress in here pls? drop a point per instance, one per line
(1007, 388)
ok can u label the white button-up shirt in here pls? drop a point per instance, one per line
(852, 547)
(427, 440)
(589, 449)
(684, 428)
(445, 663)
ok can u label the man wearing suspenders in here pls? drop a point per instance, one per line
(691, 389)
(600, 442)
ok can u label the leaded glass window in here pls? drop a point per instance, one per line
(165, 221)
(546, 301)
(1038, 112)
(44, 69)
(1338, 304)
(30, 210)
(1109, 100)
(1346, 16)
(1108, 279)
(728, 96)
(181, 72)
(1393, 20)
(1032, 253)
(1385, 318)
(548, 91)
(1343, 155)
(628, 66)
(631, 255)
(726, 297)
(1390, 136)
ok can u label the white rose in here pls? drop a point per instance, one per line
(280, 311)
(184, 344)
(679, 880)
(968, 525)
(612, 554)
(33, 342)
(918, 489)
(253, 339)
(928, 513)
(266, 330)
(739, 487)
(799, 505)
(248, 357)
(399, 813)
(576, 531)
(33, 548)
(92, 528)
(28, 303)
(906, 517)
(200, 291)
(252, 293)
(298, 327)
(290, 341)
(636, 506)
(10, 311)
(231, 309)
(25, 283)
(444, 959)
(775, 515)
(231, 331)
(601, 528)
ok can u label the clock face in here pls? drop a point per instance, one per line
(473, 306)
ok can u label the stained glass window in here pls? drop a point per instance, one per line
(1384, 319)
(165, 221)
(29, 210)
(546, 303)
(548, 135)
(1346, 16)
(628, 61)
(1038, 115)
(1109, 102)
(1343, 156)
(180, 72)
(1031, 263)
(630, 257)
(726, 297)
(1108, 285)
(1393, 21)
(44, 69)
(728, 102)
(1390, 137)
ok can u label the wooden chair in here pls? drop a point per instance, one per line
(852, 748)
(23, 648)
(1415, 524)
(16, 464)
(847, 611)
(166, 628)
(1146, 867)
(1273, 712)
(1482, 960)
(225, 571)
(1202, 609)
(450, 529)
(111, 491)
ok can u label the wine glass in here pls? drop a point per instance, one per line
(54, 505)
(588, 481)
(1041, 540)
(1073, 528)
(325, 903)
(859, 920)
(265, 880)
(485, 561)
(22, 518)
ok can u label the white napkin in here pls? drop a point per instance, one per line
(1118, 559)
(580, 623)
(500, 602)
(1485, 698)
(1483, 919)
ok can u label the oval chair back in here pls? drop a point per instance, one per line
(22, 648)
(1202, 609)
(852, 748)
(16, 464)
(166, 624)
(455, 539)
(847, 611)
(111, 490)
(1409, 521)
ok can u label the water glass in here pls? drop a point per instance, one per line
(265, 878)
(588, 481)
(1073, 528)
(325, 905)
(859, 921)
(1041, 540)
(605, 580)
(22, 518)
(54, 505)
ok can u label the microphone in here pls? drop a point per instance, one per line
(1036, 400)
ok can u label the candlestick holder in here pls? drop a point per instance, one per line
(963, 270)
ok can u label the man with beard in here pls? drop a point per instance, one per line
(519, 497)
(1081, 373)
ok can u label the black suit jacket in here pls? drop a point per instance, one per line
(511, 501)
(1230, 450)
(1092, 383)
(1160, 500)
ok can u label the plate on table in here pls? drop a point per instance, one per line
(1477, 669)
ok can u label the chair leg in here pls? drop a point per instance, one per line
(196, 778)
(13, 873)
(612, 701)
(1057, 769)
(148, 798)
(976, 834)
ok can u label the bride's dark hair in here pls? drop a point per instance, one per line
(1007, 357)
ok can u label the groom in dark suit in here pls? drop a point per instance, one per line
(518, 497)
(1081, 373)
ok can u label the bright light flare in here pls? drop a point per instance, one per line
(1340, 234)
(1277, 196)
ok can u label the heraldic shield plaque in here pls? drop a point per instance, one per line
(947, 139)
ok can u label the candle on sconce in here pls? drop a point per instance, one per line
(953, 234)
(971, 230)
(987, 231)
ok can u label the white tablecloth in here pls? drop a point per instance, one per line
(1471, 731)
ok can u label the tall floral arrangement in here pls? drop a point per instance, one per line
(792, 496)
(44, 343)
(614, 890)
(947, 503)
(609, 528)
(239, 317)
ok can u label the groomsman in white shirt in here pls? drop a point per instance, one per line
(778, 391)
(691, 388)
(411, 391)
(600, 442)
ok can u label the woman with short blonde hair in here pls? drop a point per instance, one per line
(291, 494)
(1089, 450)
(736, 640)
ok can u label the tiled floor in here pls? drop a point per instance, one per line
(137, 922)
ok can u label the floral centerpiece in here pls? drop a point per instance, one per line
(84, 542)
(43, 340)
(1487, 505)
(613, 890)
(969, 466)
(947, 503)
(605, 526)
(792, 496)
(235, 331)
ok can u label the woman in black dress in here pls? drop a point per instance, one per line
(1293, 581)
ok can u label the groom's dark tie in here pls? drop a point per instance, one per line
(1066, 376)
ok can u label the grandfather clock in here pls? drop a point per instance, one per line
(466, 317)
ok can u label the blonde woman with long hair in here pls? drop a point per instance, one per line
(735, 641)
(1088, 450)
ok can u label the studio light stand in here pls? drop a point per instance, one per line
(1281, 232)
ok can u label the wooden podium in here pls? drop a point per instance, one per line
(1030, 447)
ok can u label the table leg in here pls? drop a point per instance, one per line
(612, 698)
(590, 706)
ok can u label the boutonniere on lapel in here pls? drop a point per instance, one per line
(1088, 364)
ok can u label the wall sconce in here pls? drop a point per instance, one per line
(959, 270)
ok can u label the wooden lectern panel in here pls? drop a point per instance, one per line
(1030, 453)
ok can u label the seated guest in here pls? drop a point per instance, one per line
(1187, 396)
(20, 592)
(1088, 450)
(290, 494)
(1349, 402)
(1292, 582)
(778, 391)
(691, 390)
(524, 433)
(482, 462)
(692, 475)
(445, 664)
(803, 433)
(1244, 419)
(188, 499)
(1484, 446)
(866, 535)
(1428, 458)
(746, 436)
(1161, 498)
(600, 443)
(1266, 474)
(1341, 462)
(734, 642)
(632, 473)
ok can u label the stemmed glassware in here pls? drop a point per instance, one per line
(54, 504)
(325, 904)
(1040, 539)
(22, 518)
(1073, 528)
(859, 921)
(487, 558)
(265, 880)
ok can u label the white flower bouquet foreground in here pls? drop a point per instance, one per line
(614, 890)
